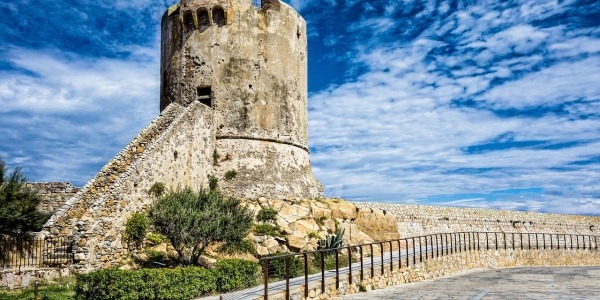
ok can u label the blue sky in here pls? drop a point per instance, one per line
(462, 103)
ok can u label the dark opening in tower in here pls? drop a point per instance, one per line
(204, 95)
(203, 20)
(218, 15)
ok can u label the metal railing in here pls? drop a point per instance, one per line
(34, 252)
(318, 267)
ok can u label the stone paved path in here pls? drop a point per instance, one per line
(510, 283)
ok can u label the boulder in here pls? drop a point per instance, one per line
(296, 243)
(378, 226)
(341, 209)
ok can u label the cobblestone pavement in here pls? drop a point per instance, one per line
(510, 283)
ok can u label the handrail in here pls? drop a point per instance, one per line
(430, 246)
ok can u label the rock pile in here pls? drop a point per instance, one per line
(302, 223)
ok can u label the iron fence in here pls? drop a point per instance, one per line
(315, 269)
(34, 252)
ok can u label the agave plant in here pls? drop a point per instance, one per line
(332, 241)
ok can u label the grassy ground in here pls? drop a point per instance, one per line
(62, 291)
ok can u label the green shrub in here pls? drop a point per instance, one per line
(266, 215)
(167, 284)
(267, 229)
(277, 266)
(313, 235)
(192, 221)
(154, 239)
(213, 183)
(157, 189)
(136, 227)
(230, 174)
(235, 274)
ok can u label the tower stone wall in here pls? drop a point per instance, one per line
(249, 65)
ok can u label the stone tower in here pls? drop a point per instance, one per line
(248, 63)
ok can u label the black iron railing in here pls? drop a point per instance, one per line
(317, 267)
(34, 252)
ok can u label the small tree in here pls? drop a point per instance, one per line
(192, 221)
(136, 228)
(18, 212)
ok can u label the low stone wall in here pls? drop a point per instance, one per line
(17, 279)
(175, 149)
(52, 195)
(442, 266)
(415, 220)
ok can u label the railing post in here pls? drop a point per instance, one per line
(513, 240)
(407, 261)
(266, 278)
(420, 250)
(362, 276)
(305, 275)
(349, 266)
(381, 252)
(470, 233)
(521, 236)
(571, 239)
(504, 237)
(426, 251)
(496, 237)
(337, 269)
(399, 255)
(537, 242)
(322, 272)
(414, 252)
(544, 240)
(437, 245)
(551, 242)
(372, 262)
(391, 258)
(287, 278)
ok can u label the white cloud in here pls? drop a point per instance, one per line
(65, 121)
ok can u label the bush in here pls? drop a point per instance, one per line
(266, 215)
(267, 229)
(230, 174)
(157, 189)
(136, 227)
(192, 221)
(235, 274)
(154, 239)
(277, 266)
(167, 284)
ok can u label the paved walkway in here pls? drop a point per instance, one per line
(510, 283)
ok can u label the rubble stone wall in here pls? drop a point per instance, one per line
(52, 195)
(175, 149)
(415, 220)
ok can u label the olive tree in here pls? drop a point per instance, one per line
(193, 221)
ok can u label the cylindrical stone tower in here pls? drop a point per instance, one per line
(249, 64)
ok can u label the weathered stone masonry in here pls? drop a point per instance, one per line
(52, 195)
(174, 149)
(416, 220)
